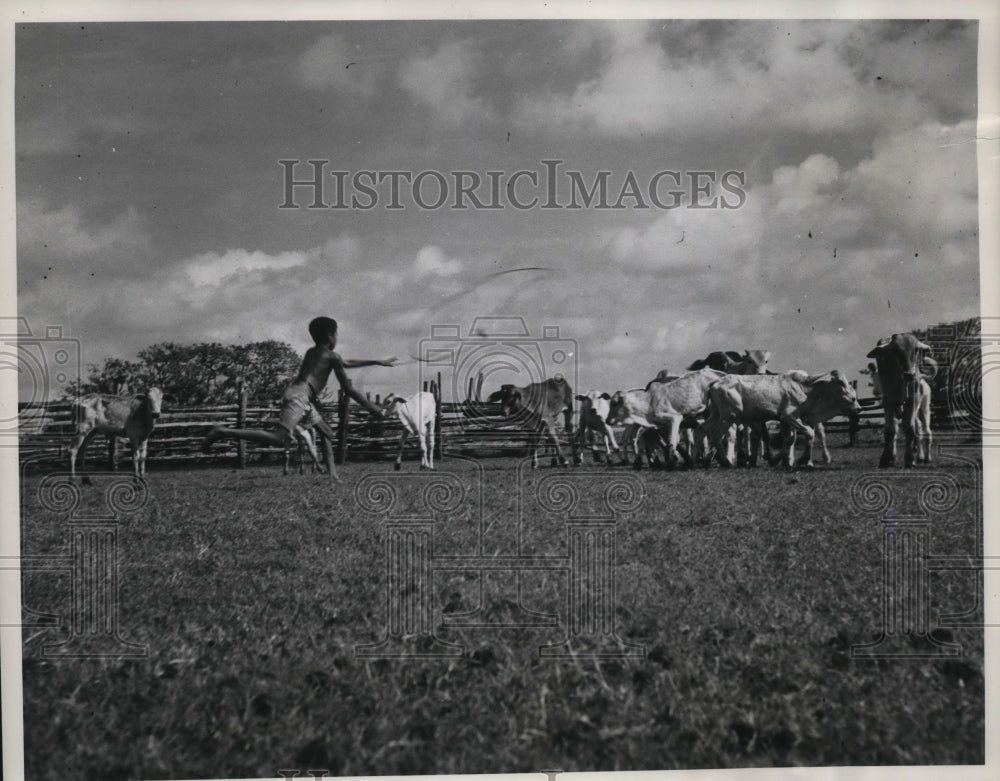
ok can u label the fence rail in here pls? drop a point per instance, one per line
(470, 427)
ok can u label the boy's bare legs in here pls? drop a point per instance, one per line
(278, 438)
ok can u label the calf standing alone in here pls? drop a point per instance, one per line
(417, 414)
(131, 417)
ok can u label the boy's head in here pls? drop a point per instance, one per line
(323, 329)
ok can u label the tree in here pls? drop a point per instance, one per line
(207, 373)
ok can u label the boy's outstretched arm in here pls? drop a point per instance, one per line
(358, 363)
(348, 388)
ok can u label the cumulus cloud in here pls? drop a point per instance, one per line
(432, 260)
(806, 75)
(445, 82)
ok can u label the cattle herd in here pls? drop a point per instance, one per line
(717, 410)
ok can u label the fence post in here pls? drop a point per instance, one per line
(479, 387)
(343, 404)
(241, 422)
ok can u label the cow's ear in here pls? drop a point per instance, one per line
(606, 396)
(875, 353)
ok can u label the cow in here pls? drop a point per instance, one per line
(748, 442)
(131, 417)
(897, 378)
(594, 409)
(417, 413)
(665, 406)
(751, 362)
(539, 406)
(799, 401)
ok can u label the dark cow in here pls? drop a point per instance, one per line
(539, 406)
(730, 362)
(898, 359)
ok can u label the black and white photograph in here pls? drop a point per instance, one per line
(515, 389)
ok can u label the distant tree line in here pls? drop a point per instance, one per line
(193, 374)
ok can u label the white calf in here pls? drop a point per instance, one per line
(417, 414)
(594, 408)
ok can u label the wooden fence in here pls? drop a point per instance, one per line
(471, 427)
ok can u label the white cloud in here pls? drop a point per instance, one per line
(211, 268)
(444, 82)
(431, 260)
(802, 75)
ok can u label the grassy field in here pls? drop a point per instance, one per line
(745, 589)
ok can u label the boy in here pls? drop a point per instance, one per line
(319, 361)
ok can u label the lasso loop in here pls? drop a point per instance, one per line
(59, 494)
(871, 494)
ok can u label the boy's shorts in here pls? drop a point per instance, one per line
(295, 405)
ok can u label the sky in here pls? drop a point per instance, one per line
(805, 187)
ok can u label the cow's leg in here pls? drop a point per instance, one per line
(81, 449)
(555, 442)
(741, 444)
(889, 432)
(821, 441)
(795, 427)
(422, 439)
(629, 440)
(142, 457)
(581, 442)
(399, 456)
(910, 432)
(609, 441)
(288, 458)
(430, 451)
(673, 439)
(926, 438)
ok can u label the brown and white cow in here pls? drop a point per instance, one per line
(130, 417)
(899, 360)
(540, 406)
